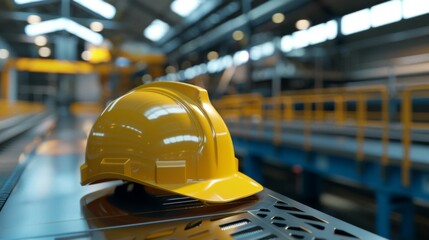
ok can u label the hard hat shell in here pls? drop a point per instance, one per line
(166, 135)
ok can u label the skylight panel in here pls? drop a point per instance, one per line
(414, 8)
(318, 33)
(20, 2)
(286, 43)
(356, 22)
(300, 39)
(99, 7)
(386, 13)
(184, 7)
(156, 30)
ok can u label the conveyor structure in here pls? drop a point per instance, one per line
(344, 133)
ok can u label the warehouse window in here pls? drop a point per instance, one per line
(414, 8)
(156, 30)
(386, 13)
(331, 29)
(355, 22)
(317, 34)
(286, 44)
(300, 39)
(184, 7)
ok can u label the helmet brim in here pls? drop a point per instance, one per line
(218, 190)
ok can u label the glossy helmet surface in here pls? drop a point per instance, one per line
(166, 135)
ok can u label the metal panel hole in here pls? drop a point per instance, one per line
(277, 218)
(297, 236)
(193, 224)
(281, 202)
(288, 208)
(344, 233)
(262, 215)
(235, 224)
(279, 224)
(308, 217)
(247, 233)
(264, 210)
(179, 201)
(300, 229)
(269, 237)
(319, 238)
(320, 227)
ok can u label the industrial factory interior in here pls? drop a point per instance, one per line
(214, 119)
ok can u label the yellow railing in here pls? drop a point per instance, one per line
(12, 109)
(315, 106)
(310, 108)
(411, 120)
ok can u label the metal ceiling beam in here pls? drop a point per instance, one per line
(22, 16)
(152, 12)
(34, 4)
(22, 38)
(325, 8)
(108, 24)
(256, 16)
(202, 26)
(204, 10)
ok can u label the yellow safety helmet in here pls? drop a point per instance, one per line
(166, 135)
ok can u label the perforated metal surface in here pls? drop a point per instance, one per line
(266, 215)
(47, 202)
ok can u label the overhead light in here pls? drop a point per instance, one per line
(99, 7)
(300, 39)
(21, 2)
(356, 22)
(85, 55)
(146, 78)
(268, 48)
(190, 73)
(96, 26)
(317, 34)
(32, 19)
(414, 8)
(156, 30)
(44, 52)
(214, 66)
(331, 29)
(184, 7)
(263, 50)
(240, 57)
(227, 61)
(170, 69)
(238, 35)
(84, 33)
(386, 13)
(278, 17)
(302, 24)
(286, 43)
(40, 41)
(46, 27)
(212, 55)
(256, 53)
(122, 62)
(68, 25)
(4, 53)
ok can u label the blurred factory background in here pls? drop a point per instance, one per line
(327, 101)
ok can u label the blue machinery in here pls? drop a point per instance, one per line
(347, 133)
